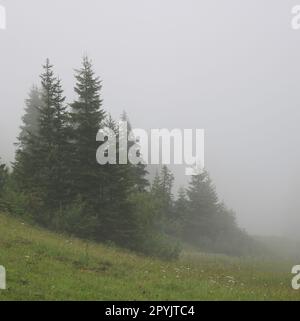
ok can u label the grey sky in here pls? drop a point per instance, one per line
(231, 67)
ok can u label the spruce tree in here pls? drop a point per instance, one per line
(167, 181)
(181, 206)
(62, 150)
(178, 219)
(119, 223)
(41, 164)
(162, 190)
(203, 205)
(87, 118)
(53, 141)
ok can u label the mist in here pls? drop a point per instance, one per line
(231, 68)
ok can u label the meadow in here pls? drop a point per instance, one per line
(41, 265)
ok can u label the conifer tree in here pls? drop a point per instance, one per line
(52, 141)
(119, 223)
(156, 185)
(62, 149)
(41, 167)
(87, 118)
(181, 206)
(203, 208)
(167, 181)
(162, 190)
(178, 219)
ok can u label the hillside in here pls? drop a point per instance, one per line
(45, 266)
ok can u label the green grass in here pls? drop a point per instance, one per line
(45, 266)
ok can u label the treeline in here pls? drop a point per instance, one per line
(57, 183)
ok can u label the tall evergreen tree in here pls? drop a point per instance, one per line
(119, 222)
(181, 205)
(41, 167)
(167, 181)
(203, 206)
(156, 185)
(52, 140)
(162, 189)
(62, 147)
(87, 118)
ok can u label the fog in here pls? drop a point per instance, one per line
(231, 67)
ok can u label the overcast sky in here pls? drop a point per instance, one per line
(231, 67)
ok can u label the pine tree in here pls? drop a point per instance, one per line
(179, 214)
(203, 208)
(119, 223)
(167, 181)
(181, 205)
(41, 167)
(162, 190)
(62, 150)
(53, 141)
(87, 118)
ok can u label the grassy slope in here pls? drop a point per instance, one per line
(46, 266)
